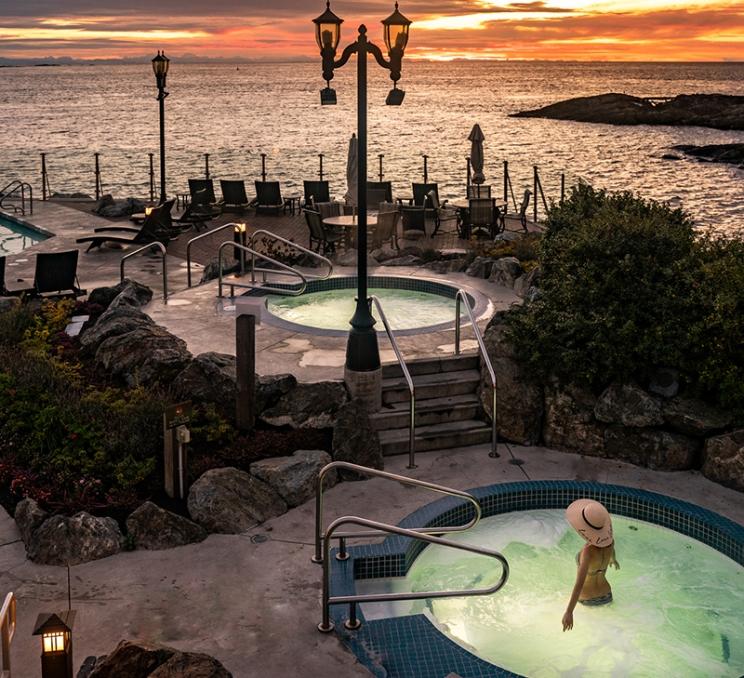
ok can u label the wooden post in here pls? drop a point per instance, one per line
(245, 352)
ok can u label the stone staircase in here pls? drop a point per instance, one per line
(448, 411)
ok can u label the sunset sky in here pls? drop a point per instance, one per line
(707, 30)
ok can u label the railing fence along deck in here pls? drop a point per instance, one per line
(7, 631)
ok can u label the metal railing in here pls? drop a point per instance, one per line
(310, 276)
(164, 255)
(196, 239)
(409, 381)
(7, 631)
(252, 286)
(342, 554)
(12, 191)
(462, 298)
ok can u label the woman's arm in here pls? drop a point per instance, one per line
(580, 579)
(613, 560)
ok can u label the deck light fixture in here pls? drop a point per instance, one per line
(160, 65)
(56, 643)
(363, 371)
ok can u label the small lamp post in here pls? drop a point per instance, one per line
(363, 371)
(56, 643)
(160, 66)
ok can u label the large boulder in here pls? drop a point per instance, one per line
(112, 323)
(209, 378)
(723, 459)
(312, 405)
(527, 285)
(569, 421)
(653, 448)
(230, 501)
(447, 265)
(120, 208)
(60, 540)
(628, 405)
(146, 355)
(355, 439)
(154, 528)
(519, 401)
(271, 387)
(129, 292)
(295, 477)
(480, 267)
(29, 516)
(149, 660)
(505, 271)
(694, 417)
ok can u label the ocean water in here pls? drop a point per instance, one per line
(235, 113)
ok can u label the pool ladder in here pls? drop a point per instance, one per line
(431, 535)
(18, 191)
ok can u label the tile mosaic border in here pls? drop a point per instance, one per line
(412, 647)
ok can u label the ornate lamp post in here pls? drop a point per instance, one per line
(363, 372)
(160, 66)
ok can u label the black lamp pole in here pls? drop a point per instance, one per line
(362, 352)
(160, 66)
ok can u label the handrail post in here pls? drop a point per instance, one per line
(563, 187)
(342, 553)
(44, 178)
(426, 168)
(380, 157)
(506, 181)
(98, 177)
(457, 325)
(152, 177)
(535, 181)
(163, 253)
(352, 623)
(263, 167)
(206, 165)
(320, 171)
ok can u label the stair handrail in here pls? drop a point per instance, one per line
(291, 243)
(462, 298)
(293, 292)
(163, 253)
(7, 631)
(409, 381)
(17, 185)
(352, 623)
(404, 480)
(199, 237)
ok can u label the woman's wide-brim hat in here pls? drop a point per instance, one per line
(591, 520)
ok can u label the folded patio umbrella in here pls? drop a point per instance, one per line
(352, 161)
(476, 139)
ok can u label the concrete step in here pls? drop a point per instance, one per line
(436, 437)
(436, 385)
(468, 361)
(431, 411)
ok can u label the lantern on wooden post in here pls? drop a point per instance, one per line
(56, 643)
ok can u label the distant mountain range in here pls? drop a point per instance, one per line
(181, 58)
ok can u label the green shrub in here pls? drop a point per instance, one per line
(627, 287)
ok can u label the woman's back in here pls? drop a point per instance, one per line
(596, 584)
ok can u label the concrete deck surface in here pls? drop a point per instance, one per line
(255, 606)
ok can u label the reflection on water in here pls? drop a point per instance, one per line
(70, 112)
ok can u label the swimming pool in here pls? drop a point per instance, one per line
(678, 594)
(16, 237)
(411, 305)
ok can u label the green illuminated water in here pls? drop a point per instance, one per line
(678, 606)
(332, 309)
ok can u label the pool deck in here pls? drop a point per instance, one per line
(255, 606)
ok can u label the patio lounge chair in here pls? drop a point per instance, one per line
(269, 197)
(386, 186)
(479, 191)
(441, 211)
(56, 274)
(523, 209)
(157, 226)
(414, 223)
(329, 209)
(315, 192)
(14, 289)
(480, 218)
(320, 234)
(234, 198)
(196, 216)
(202, 193)
(386, 230)
(421, 195)
(375, 196)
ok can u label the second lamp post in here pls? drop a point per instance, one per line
(363, 372)
(160, 66)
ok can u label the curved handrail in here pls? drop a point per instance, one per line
(7, 631)
(409, 380)
(318, 557)
(462, 297)
(199, 237)
(326, 624)
(17, 185)
(291, 243)
(163, 253)
(266, 288)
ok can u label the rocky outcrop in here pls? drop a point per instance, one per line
(154, 528)
(519, 401)
(131, 292)
(628, 405)
(653, 448)
(294, 478)
(355, 439)
(448, 265)
(732, 154)
(570, 423)
(505, 271)
(723, 459)
(693, 417)
(108, 207)
(527, 285)
(230, 501)
(312, 405)
(480, 267)
(113, 323)
(60, 540)
(143, 356)
(148, 660)
(209, 378)
(29, 516)
(271, 387)
(704, 110)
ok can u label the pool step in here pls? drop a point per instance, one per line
(448, 409)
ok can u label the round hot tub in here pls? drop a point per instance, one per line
(411, 305)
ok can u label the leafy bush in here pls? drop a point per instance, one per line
(627, 287)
